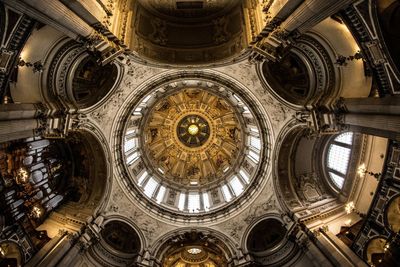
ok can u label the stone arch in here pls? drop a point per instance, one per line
(300, 180)
(52, 185)
(121, 243)
(392, 214)
(283, 183)
(78, 80)
(267, 241)
(158, 35)
(90, 181)
(304, 75)
(203, 239)
(69, 76)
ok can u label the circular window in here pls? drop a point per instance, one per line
(338, 158)
(193, 130)
(193, 149)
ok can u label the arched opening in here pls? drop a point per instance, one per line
(265, 235)
(10, 254)
(299, 178)
(91, 81)
(48, 185)
(88, 181)
(289, 78)
(268, 244)
(119, 244)
(338, 158)
(188, 32)
(304, 75)
(393, 214)
(193, 248)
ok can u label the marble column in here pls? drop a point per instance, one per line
(375, 124)
(89, 10)
(311, 12)
(373, 105)
(18, 111)
(55, 14)
(17, 129)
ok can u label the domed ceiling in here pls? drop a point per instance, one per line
(188, 32)
(193, 137)
(193, 145)
(189, 9)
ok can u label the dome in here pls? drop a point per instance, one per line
(192, 146)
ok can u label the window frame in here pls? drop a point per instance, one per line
(330, 170)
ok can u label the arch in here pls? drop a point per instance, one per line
(89, 82)
(392, 214)
(374, 251)
(289, 137)
(90, 156)
(211, 34)
(338, 158)
(267, 242)
(340, 143)
(51, 185)
(303, 76)
(89, 184)
(76, 78)
(300, 179)
(265, 235)
(291, 78)
(201, 238)
(11, 253)
(120, 244)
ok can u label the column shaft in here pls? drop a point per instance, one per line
(55, 14)
(311, 12)
(373, 105)
(18, 111)
(17, 129)
(381, 125)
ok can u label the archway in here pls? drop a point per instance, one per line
(188, 32)
(10, 254)
(267, 242)
(193, 248)
(91, 82)
(393, 214)
(119, 244)
(50, 185)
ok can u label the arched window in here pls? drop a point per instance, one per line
(338, 158)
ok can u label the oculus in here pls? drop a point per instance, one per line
(193, 131)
